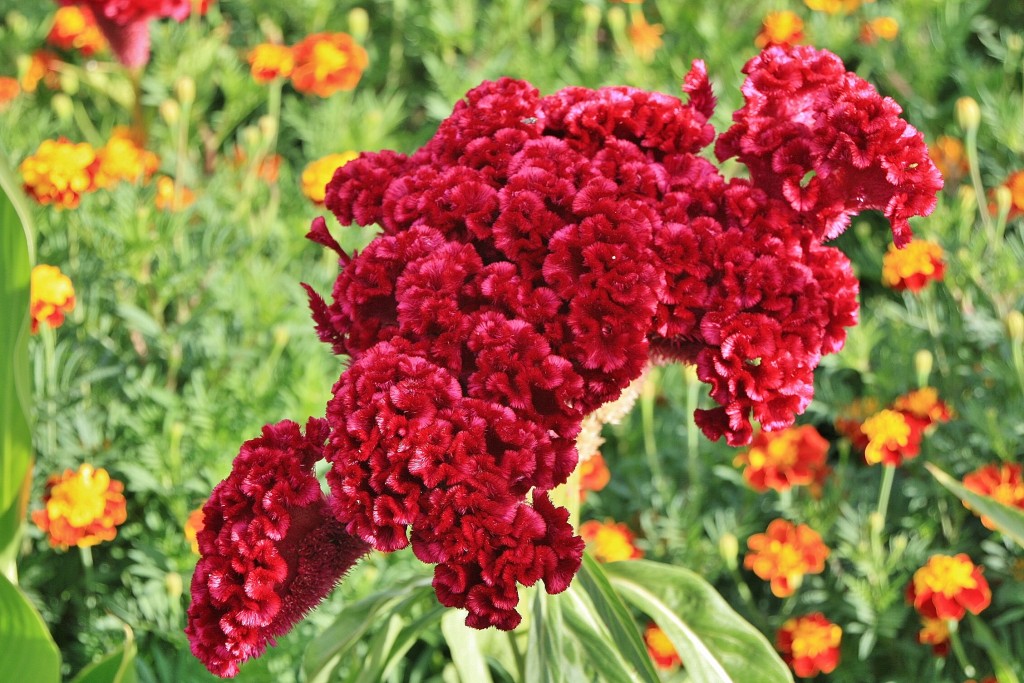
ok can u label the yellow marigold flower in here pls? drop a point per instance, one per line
(780, 28)
(42, 66)
(784, 554)
(268, 61)
(835, 6)
(74, 28)
(327, 62)
(935, 632)
(1002, 482)
(81, 508)
(660, 648)
(9, 89)
(913, 266)
(892, 438)
(52, 296)
(193, 525)
(318, 173)
(925, 405)
(609, 541)
(882, 28)
(947, 587)
(783, 459)
(810, 644)
(949, 156)
(59, 172)
(645, 38)
(165, 198)
(123, 158)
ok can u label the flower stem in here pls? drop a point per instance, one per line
(888, 474)
(85, 552)
(958, 649)
(971, 139)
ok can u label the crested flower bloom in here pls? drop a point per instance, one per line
(60, 172)
(1003, 482)
(784, 553)
(935, 632)
(892, 437)
(42, 67)
(534, 257)
(880, 28)
(644, 37)
(660, 648)
(948, 587)
(268, 61)
(594, 474)
(326, 63)
(925, 406)
(318, 173)
(809, 644)
(169, 198)
(610, 541)
(193, 525)
(9, 89)
(75, 28)
(81, 508)
(123, 158)
(52, 296)
(794, 456)
(913, 266)
(950, 158)
(780, 28)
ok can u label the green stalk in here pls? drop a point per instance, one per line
(888, 474)
(958, 649)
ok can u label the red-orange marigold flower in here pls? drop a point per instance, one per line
(167, 200)
(326, 63)
(881, 28)
(81, 508)
(935, 632)
(783, 459)
(780, 28)
(193, 525)
(948, 155)
(594, 474)
(1015, 181)
(9, 89)
(913, 266)
(610, 541)
(660, 648)
(123, 158)
(41, 67)
(924, 405)
(644, 37)
(74, 28)
(52, 296)
(268, 61)
(850, 419)
(784, 554)
(1002, 482)
(947, 587)
(60, 172)
(809, 644)
(892, 437)
(318, 173)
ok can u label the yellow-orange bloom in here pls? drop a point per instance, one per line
(318, 173)
(594, 474)
(74, 28)
(913, 266)
(949, 156)
(9, 89)
(660, 648)
(935, 632)
(645, 38)
(41, 67)
(52, 296)
(848, 422)
(268, 61)
(925, 405)
(59, 172)
(783, 459)
(166, 199)
(948, 587)
(1015, 181)
(81, 508)
(1002, 482)
(784, 554)
(193, 525)
(835, 6)
(892, 437)
(809, 644)
(327, 62)
(609, 541)
(882, 28)
(123, 158)
(780, 28)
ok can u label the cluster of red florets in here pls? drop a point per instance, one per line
(538, 252)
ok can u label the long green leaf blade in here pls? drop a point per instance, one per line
(465, 646)
(1006, 519)
(582, 621)
(28, 652)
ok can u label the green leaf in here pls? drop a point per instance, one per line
(583, 621)
(465, 646)
(28, 652)
(1006, 519)
(116, 667)
(384, 659)
(613, 613)
(541, 649)
(714, 642)
(1002, 662)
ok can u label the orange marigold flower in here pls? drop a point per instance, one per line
(948, 155)
(52, 296)
(809, 644)
(925, 405)
(935, 632)
(123, 158)
(947, 587)
(780, 28)
(1002, 482)
(594, 474)
(193, 525)
(892, 437)
(882, 28)
(645, 38)
(268, 61)
(1015, 181)
(74, 28)
(318, 173)
(327, 62)
(42, 66)
(783, 459)
(912, 266)
(9, 89)
(835, 6)
(784, 554)
(165, 197)
(849, 421)
(610, 541)
(81, 508)
(59, 172)
(660, 648)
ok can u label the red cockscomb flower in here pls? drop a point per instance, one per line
(948, 587)
(535, 255)
(783, 459)
(810, 644)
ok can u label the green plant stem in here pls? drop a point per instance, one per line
(85, 552)
(648, 392)
(888, 474)
(958, 649)
(138, 118)
(49, 339)
(971, 145)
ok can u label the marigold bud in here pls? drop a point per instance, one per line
(1015, 326)
(185, 89)
(1004, 200)
(358, 23)
(968, 113)
(63, 107)
(923, 361)
(175, 586)
(617, 19)
(170, 112)
(729, 549)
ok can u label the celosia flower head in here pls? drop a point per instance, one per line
(535, 255)
(780, 28)
(326, 63)
(914, 266)
(268, 61)
(610, 541)
(1003, 482)
(60, 172)
(318, 173)
(75, 28)
(81, 508)
(809, 644)
(948, 587)
(784, 553)
(780, 460)
(51, 297)
(660, 648)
